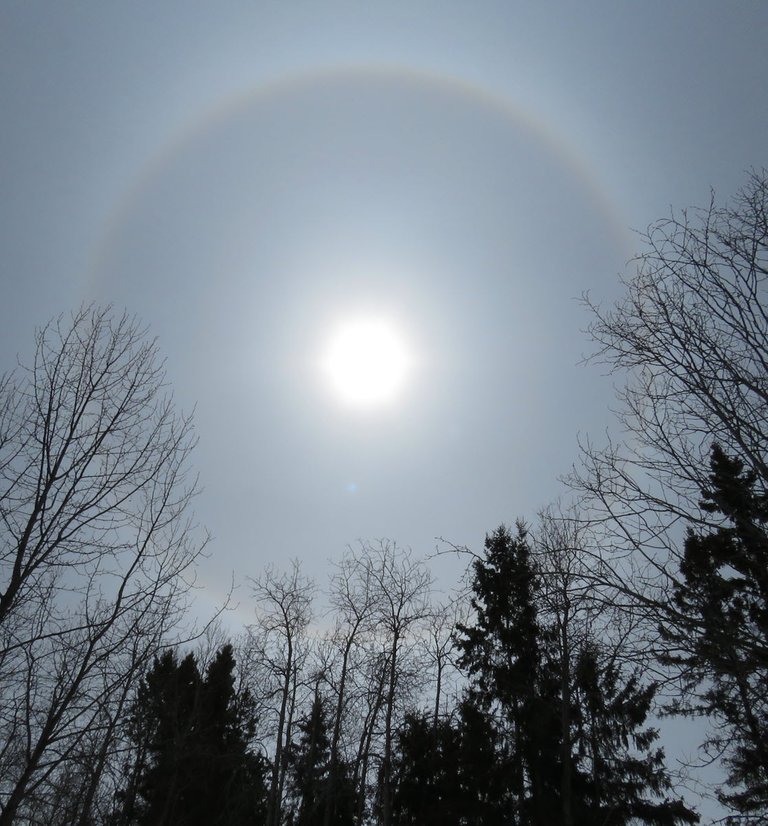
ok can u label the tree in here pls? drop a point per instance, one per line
(438, 646)
(450, 772)
(190, 733)
(308, 760)
(317, 798)
(722, 639)
(503, 655)
(97, 547)
(401, 587)
(233, 788)
(426, 782)
(567, 722)
(486, 793)
(566, 599)
(693, 331)
(690, 339)
(371, 692)
(284, 607)
(620, 779)
(352, 596)
(162, 723)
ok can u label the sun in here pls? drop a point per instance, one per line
(366, 362)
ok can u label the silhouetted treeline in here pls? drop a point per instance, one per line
(529, 732)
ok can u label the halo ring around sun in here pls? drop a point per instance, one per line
(117, 222)
(231, 107)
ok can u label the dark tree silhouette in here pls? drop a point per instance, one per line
(426, 783)
(484, 769)
(503, 655)
(191, 763)
(316, 799)
(96, 552)
(721, 639)
(514, 662)
(451, 771)
(621, 779)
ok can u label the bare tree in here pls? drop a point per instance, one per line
(690, 339)
(284, 610)
(372, 680)
(97, 545)
(572, 604)
(402, 588)
(352, 597)
(438, 646)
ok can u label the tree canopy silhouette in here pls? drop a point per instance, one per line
(97, 547)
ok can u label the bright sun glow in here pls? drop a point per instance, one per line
(366, 362)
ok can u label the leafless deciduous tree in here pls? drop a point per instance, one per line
(351, 595)
(690, 340)
(402, 588)
(566, 602)
(284, 611)
(97, 548)
(438, 647)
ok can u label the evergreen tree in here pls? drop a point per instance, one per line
(617, 768)
(721, 638)
(190, 733)
(484, 769)
(426, 782)
(165, 708)
(452, 771)
(309, 769)
(505, 658)
(233, 791)
(514, 703)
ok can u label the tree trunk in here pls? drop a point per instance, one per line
(273, 816)
(566, 787)
(386, 765)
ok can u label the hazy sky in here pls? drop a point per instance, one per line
(246, 175)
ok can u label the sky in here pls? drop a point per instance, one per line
(248, 176)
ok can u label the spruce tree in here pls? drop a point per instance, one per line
(514, 704)
(452, 771)
(426, 783)
(190, 734)
(620, 778)
(309, 774)
(484, 769)
(720, 637)
(166, 707)
(504, 654)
